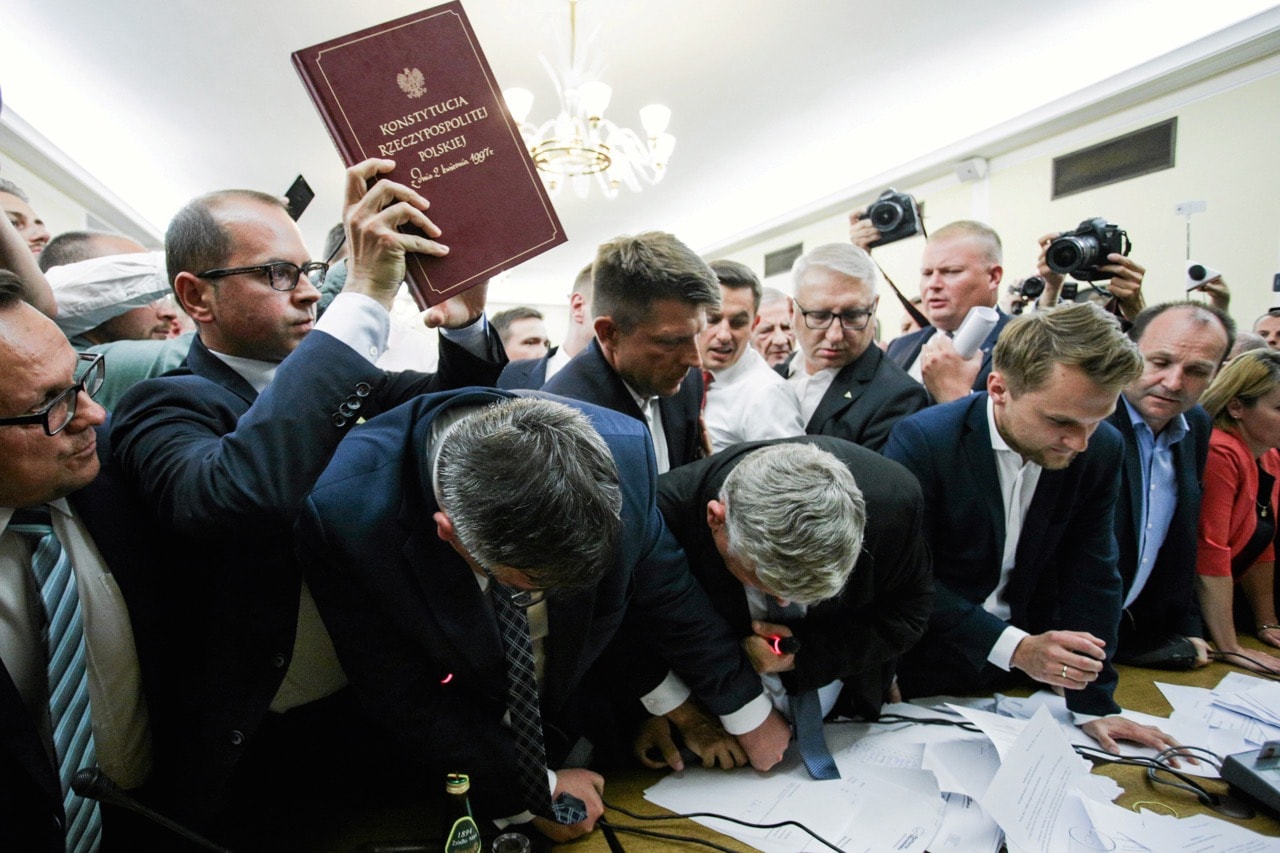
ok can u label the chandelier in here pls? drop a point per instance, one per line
(580, 144)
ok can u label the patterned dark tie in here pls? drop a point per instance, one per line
(63, 635)
(806, 709)
(526, 712)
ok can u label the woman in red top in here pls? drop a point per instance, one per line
(1236, 557)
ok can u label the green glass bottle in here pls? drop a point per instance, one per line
(461, 833)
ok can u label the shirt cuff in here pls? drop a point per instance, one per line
(1001, 653)
(749, 717)
(358, 321)
(667, 696)
(1081, 719)
(474, 338)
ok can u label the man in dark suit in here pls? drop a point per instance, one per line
(45, 388)
(651, 296)
(423, 509)
(1166, 443)
(222, 452)
(846, 386)
(854, 558)
(533, 373)
(961, 269)
(1019, 489)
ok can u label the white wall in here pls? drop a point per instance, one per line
(1228, 145)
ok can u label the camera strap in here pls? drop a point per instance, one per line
(911, 309)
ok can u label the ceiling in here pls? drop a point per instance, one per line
(777, 106)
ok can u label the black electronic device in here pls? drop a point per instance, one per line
(299, 195)
(895, 215)
(1256, 773)
(1079, 253)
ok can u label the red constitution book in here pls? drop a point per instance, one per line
(419, 90)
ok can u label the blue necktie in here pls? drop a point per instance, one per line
(526, 711)
(806, 709)
(63, 635)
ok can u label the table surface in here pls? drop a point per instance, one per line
(1136, 691)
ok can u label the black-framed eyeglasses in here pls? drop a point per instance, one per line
(55, 416)
(850, 321)
(281, 275)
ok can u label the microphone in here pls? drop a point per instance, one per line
(92, 783)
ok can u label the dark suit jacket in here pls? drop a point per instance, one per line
(30, 793)
(526, 373)
(1064, 574)
(884, 606)
(223, 470)
(904, 349)
(865, 400)
(418, 638)
(1168, 604)
(590, 378)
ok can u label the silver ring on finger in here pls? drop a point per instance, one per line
(1064, 670)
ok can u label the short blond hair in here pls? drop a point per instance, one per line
(1079, 335)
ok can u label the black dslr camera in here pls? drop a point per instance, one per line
(1079, 253)
(895, 215)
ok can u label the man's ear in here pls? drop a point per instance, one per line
(997, 388)
(756, 321)
(715, 514)
(444, 527)
(195, 295)
(997, 275)
(607, 332)
(577, 309)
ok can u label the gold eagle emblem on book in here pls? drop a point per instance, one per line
(412, 83)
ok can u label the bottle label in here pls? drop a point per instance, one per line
(464, 837)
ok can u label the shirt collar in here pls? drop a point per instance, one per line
(1173, 432)
(257, 373)
(997, 440)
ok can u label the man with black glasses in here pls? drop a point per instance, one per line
(250, 714)
(845, 385)
(69, 676)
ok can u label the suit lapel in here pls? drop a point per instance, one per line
(847, 387)
(18, 737)
(980, 460)
(1133, 481)
(202, 362)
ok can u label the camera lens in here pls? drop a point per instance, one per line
(886, 215)
(1032, 287)
(1068, 254)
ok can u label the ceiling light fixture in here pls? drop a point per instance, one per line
(580, 142)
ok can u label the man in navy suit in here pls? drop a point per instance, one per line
(845, 385)
(1019, 490)
(425, 507)
(533, 373)
(222, 451)
(651, 297)
(961, 269)
(1166, 443)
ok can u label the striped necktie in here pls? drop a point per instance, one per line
(526, 710)
(63, 636)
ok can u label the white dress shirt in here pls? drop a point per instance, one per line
(749, 401)
(1018, 481)
(809, 388)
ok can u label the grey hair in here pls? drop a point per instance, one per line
(795, 514)
(844, 258)
(530, 485)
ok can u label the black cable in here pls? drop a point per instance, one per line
(924, 721)
(666, 836)
(1270, 674)
(635, 816)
